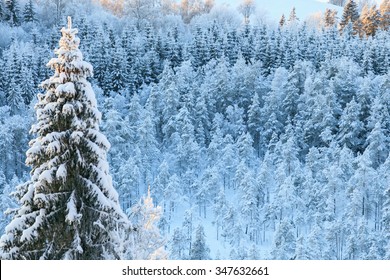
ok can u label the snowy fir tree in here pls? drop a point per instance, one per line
(69, 208)
(29, 12)
(350, 14)
(199, 250)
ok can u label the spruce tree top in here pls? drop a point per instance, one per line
(350, 14)
(69, 209)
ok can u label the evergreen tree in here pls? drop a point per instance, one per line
(172, 194)
(384, 9)
(370, 19)
(351, 127)
(377, 145)
(178, 245)
(161, 182)
(1, 11)
(292, 19)
(27, 84)
(68, 209)
(14, 97)
(386, 221)
(6, 200)
(254, 121)
(12, 14)
(284, 243)
(6, 138)
(301, 250)
(282, 21)
(330, 17)
(350, 14)
(200, 52)
(219, 208)
(118, 72)
(29, 13)
(200, 250)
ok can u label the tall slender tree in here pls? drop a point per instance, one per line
(200, 250)
(330, 17)
(384, 9)
(350, 14)
(29, 13)
(12, 14)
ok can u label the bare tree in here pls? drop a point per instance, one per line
(141, 9)
(247, 8)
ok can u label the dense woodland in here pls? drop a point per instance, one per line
(258, 141)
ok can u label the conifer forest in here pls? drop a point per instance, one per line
(192, 130)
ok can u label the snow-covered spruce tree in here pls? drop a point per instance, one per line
(350, 14)
(68, 209)
(29, 14)
(200, 250)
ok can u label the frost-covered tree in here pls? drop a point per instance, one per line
(384, 9)
(330, 17)
(292, 19)
(200, 250)
(117, 75)
(6, 200)
(69, 208)
(351, 127)
(254, 121)
(29, 13)
(148, 242)
(12, 14)
(178, 245)
(284, 244)
(282, 21)
(386, 221)
(141, 10)
(247, 8)
(370, 19)
(350, 14)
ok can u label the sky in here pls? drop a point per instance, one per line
(235, 2)
(273, 9)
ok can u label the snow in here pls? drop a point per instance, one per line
(31, 231)
(50, 107)
(76, 136)
(72, 215)
(99, 138)
(61, 172)
(40, 198)
(68, 89)
(46, 176)
(68, 109)
(90, 96)
(35, 149)
(53, 147)
(103, 201)
(29, 194)
(16, 224)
